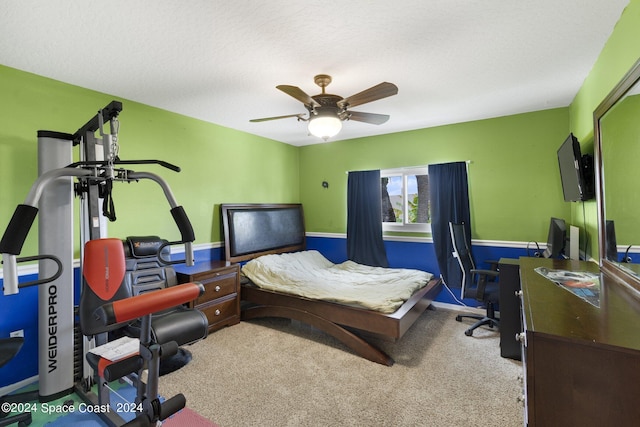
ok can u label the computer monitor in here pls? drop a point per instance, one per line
(556, 239)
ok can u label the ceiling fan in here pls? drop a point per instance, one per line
(327, 111)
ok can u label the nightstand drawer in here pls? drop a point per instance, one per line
(223, 310)
(218, 286)
(220, 301)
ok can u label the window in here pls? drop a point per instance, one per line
(405, 199)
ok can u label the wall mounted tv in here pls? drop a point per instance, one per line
(576, 171)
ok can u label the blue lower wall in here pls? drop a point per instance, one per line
(21, 311)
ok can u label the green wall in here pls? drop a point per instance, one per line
(218, 164)
(514, 182)
(619, 54)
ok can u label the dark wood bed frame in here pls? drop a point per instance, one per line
(252, 230)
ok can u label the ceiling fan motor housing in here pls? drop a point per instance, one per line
(333, 109)
(326, 101)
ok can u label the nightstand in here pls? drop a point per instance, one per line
(220, 301)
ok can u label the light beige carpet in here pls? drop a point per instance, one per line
(274, 372)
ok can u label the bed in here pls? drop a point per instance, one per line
(254, 230)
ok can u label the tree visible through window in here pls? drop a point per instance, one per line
(405, 199)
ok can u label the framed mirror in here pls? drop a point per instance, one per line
(617, 165)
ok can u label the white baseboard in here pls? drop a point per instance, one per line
(17, 386)
(459, 308)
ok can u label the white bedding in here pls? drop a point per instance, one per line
(311, 275)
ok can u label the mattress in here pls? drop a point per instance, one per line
(309, 274)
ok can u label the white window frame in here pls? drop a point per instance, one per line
(406, 227)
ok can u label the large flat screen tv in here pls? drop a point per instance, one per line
(576, 171)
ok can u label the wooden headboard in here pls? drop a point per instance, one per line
(252, 230)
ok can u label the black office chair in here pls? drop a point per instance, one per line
(482, 285)
(9, 348)
(145, 272)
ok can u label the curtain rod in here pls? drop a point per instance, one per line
(468, 162)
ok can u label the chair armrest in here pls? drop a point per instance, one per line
(151, 302)
(488, 273)
(493, 265)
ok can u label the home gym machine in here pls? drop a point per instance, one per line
(51, 199)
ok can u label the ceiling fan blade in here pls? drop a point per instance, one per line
(298, 94)
(374, 93)
(374, 119)
(299, 116)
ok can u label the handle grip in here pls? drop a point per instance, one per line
(11, 283)
(183, 223)
(186, 231)
(18, 229)
(168, 349)
(122, 368)
(171, 406)
(165, 410)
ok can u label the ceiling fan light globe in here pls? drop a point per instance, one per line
(325, 126)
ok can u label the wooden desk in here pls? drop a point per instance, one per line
(581, 362)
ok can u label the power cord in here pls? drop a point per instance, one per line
(537, 253)
(451, 293)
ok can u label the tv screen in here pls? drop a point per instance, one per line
(556, 239)
(575, 171)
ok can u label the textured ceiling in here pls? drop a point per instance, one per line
(219, 61)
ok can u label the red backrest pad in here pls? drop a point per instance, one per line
(104, 266)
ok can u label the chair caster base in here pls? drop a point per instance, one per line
(491, 322)
(175, 362)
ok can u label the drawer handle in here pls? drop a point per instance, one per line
(521, 337)
(218, 288)
(217, 313)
